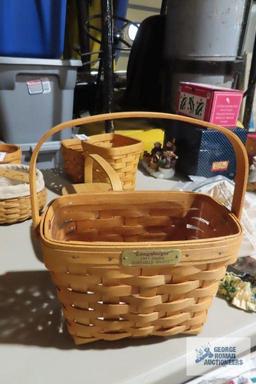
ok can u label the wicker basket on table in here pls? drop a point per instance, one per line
(121, 152)
(138, 263)
(15, 202)
(114, 183)
(10, 154)
(73, 159)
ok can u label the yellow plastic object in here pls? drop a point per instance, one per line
(148, 137)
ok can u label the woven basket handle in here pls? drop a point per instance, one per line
(112, 175)
(240, 152)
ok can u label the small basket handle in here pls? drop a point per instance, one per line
(112, 175)
(240, 152)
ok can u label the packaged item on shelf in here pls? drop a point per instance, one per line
(217, 105)
(203, 152)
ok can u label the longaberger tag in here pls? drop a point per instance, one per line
(150, 257)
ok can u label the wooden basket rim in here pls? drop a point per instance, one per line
(133, 145)
(141, 244)
(70, 143)
(15, 147)
(21, 189)
(13, 153)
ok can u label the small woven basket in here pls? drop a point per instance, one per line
(135, 264)
(90, 186)
(73, 159)
(15, 202)
(121, 152)
(12, 154)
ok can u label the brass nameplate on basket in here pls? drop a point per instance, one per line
(150, 257)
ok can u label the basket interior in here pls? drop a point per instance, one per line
(137, 217)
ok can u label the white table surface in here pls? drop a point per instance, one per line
(34, 348)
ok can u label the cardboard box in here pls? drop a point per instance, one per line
(203, 152)
(210, 103)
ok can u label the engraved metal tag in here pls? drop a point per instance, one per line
(150, 257)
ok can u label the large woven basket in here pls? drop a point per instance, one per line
(134, 264)
(12, 153)
(121, 152)
(15, 203)
(73, 159)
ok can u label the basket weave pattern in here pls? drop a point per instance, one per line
(15, 204)
(106, 252)
(19, 209)
(121, 152)
(73, 159)
(108, 301)
(102, 304)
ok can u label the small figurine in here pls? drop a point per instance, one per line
(152, 158)
(170, 146)
(168, 160)
(146, 157)
(157, 149)
(162, 159)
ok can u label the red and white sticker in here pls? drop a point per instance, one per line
(39, 86)
(219, 166)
